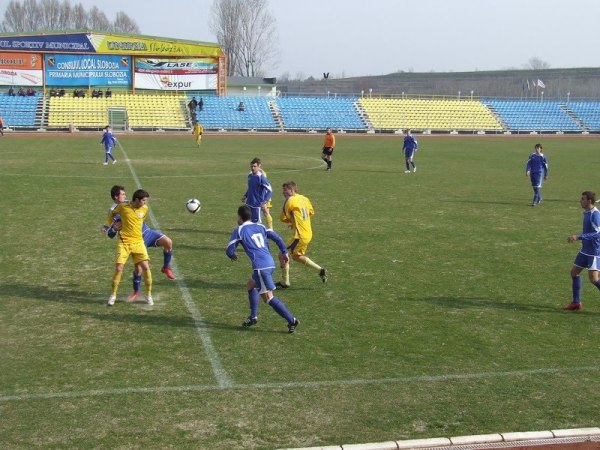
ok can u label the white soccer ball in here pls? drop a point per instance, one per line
(193, 205)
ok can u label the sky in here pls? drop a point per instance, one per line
(376, 37)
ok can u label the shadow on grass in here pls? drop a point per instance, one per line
(520, 202)
(56, 294)
(113, 314)
(486, 303)
(200, 231)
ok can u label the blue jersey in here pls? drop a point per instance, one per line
(109, 140)
(410, 144)
(259, 190)
(253, 238)
(537, 163)
(590, 236)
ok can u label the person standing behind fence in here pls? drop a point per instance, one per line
(109, 141)
(536, 168)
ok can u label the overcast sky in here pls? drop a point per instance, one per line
(375, 37)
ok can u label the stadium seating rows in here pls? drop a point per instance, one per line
(169, 111)
(428, 114)
(144, 111)
(533, 115)
(19, 111)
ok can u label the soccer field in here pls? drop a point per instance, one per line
(441, 317)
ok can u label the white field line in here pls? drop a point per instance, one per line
(294, 385)
(223, 379)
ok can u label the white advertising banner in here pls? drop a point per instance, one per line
(21, 77)
(188, 82)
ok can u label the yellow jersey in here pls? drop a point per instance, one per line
(297, 211)
(132, 220)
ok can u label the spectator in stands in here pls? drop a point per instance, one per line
(108, 93)
(11, 91)
(53, 92)
(1, 127)
(241, 107)
(61, 93)
(22, 92)
(30, 92)
(200, 104)
(192, 105)
(94, 93)
(328, 147)
(100, 93)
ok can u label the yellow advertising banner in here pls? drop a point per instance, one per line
(22, 61)
(128, 45)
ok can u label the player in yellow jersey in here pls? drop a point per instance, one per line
(131, 241)
(296, 213)
(198, 130)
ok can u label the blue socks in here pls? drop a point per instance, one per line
(280, 309)
(253, 299)
(167, 258)
(137, 281)
(577, 289)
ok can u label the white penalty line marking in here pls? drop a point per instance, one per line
(223, 379)
(293, 385)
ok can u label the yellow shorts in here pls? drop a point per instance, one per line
(297, 246)
(137, 251)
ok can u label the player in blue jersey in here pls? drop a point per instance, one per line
(410, 147)
(537, 170)
(589, 255)
(109, 141)
(253, 238)
(259, 193)
(152, 238)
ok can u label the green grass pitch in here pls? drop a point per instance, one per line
(442, 315)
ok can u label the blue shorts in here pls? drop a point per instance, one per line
(263, 278)
(151, 237)
(536, 179)
(409, 153)
(257, 213)
(586, 261)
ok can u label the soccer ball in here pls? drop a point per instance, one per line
(193, 205)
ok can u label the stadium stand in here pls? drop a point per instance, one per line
(320, 113)
(522, 115)
(588, 114)
(20, 111)
(222, 112)
(429, 114)
(143, 111)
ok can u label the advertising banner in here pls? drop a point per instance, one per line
(87, 70)
(21, 69)
(63, 43)
(25, 61)
(175, 82)
(131, 45)
(188, 74)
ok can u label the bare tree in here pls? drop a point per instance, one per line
(247, 31)
(97, 20)
(50, 14)
(54, 15)
(124, 24)
(79, 19)
(537, 64)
